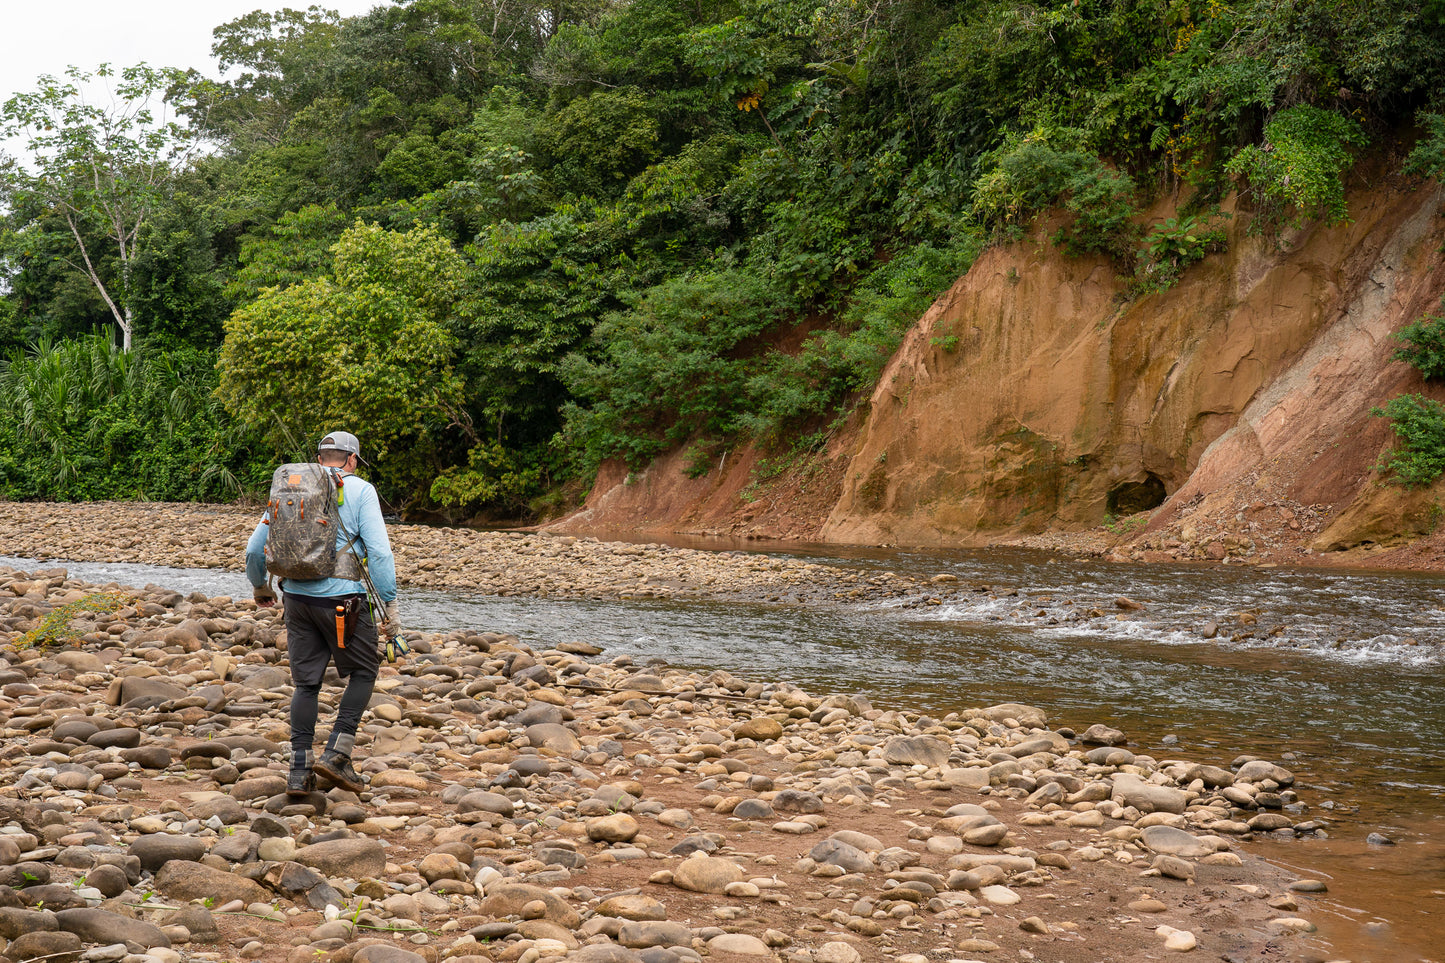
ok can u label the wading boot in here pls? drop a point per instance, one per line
(300, 782)
(337, 767)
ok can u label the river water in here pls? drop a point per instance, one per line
(1342, 682)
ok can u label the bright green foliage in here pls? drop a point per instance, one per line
(84, 419)
(491, 477)
(297, 248)
(1301, 166)
(1424, 345)
(1418, 457)
(367, 348)
(1170, 247)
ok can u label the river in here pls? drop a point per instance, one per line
(1345, 692)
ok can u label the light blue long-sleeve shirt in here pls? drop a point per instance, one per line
(360, 513)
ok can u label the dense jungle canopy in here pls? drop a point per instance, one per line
(504, 240)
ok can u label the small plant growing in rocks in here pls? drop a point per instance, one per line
(55, 627)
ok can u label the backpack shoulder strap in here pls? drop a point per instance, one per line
(334, 475)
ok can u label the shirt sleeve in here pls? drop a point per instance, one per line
(256, 555)
(380, 563)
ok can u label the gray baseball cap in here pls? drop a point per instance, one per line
(342, 441)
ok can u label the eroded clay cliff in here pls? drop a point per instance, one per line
(1035, 396)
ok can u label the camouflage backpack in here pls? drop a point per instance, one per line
(303, 516)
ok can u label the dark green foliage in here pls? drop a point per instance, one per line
(84, 420)
(12, 334)
(682, 223)
(1424, 345)
(1418, 457)
(596, 143)
(838, 363)
(1047, 167)
(1428, 156)
(674, 365)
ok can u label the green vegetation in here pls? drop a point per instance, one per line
(1424, 344)
(504, 243)
(1173, 245)
(87, 420)
(55, 627)
(1419, 456)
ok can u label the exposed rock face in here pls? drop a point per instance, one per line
(1034, 397)
(1058, 405)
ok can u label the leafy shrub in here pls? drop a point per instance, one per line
(1418, 457)
(1102, 202)
(55, 627)
(1301, 165)
(368, 346)
(1047, 166)
(1428, 156)
(1424, 345)
(492, 476)
(837, 363)
(1170, 247)
(1026, 176)
(674, 364)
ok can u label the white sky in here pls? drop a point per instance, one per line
(46, 36)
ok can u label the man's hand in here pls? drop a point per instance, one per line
(391, 625)
(265, 598)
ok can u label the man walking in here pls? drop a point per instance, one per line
(329, 620)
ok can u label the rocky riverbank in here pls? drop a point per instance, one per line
(457, 559)
(528, 805)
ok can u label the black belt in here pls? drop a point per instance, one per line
(325, 601)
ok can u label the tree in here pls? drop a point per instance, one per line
(365, 346)
(102, 170)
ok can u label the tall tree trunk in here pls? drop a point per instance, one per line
(122, 320)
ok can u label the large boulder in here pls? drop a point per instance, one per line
(1132, 791)
(356, 858)
(105, 928)
(507, 899)
(184, 881)
(928, 751)
(706, 874)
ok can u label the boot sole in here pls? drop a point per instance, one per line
(337, 779)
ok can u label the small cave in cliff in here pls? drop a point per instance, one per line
(1136, 496)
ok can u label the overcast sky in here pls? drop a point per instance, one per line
(46, 36)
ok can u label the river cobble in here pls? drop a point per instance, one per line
(531, 804)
